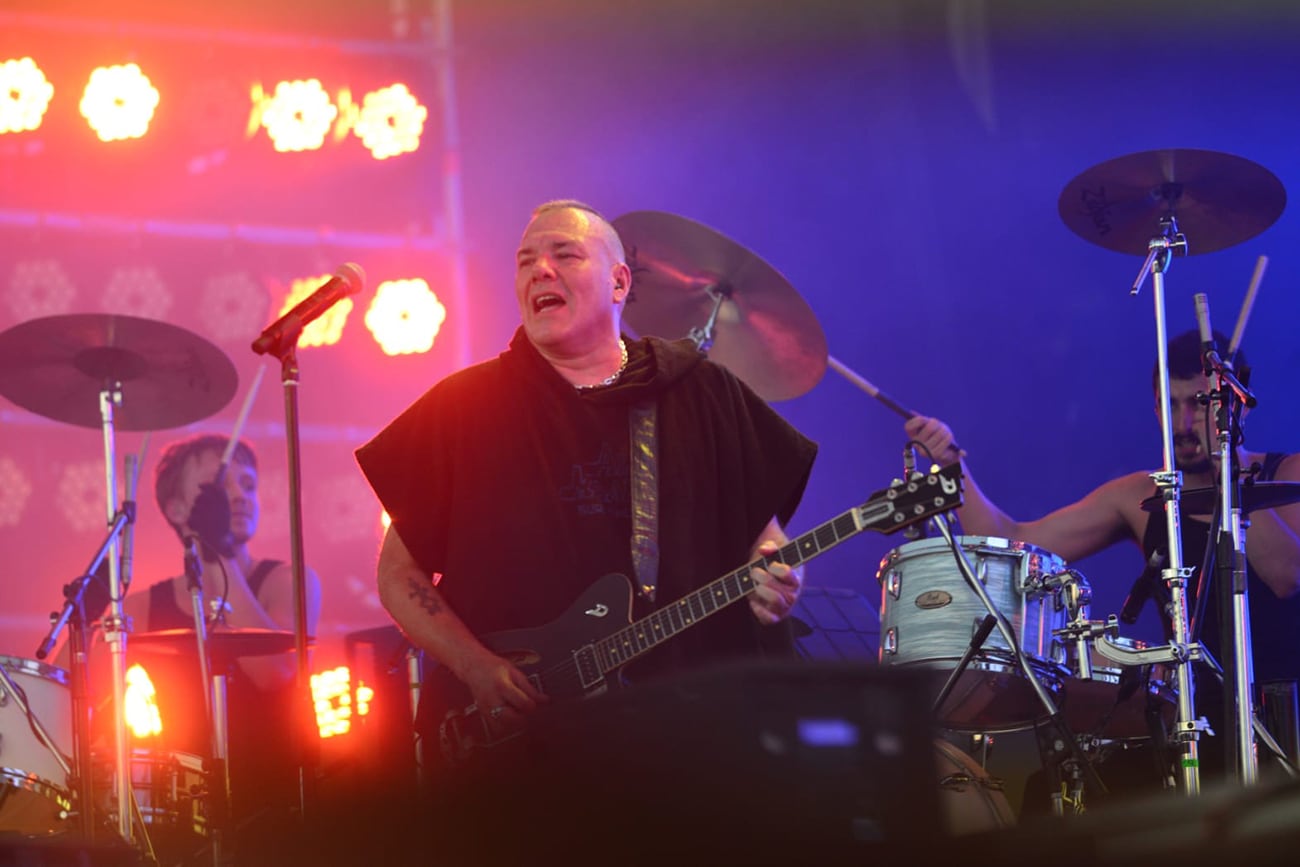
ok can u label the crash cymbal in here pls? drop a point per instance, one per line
(1217, 199)
(1260, 495)
(223, 643)
(57, 366)
(764, 333)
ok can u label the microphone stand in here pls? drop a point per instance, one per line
(1230, 565)
(214, 691)
(286, 351)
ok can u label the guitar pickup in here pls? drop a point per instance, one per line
(589, 671)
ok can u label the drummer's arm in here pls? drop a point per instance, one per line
(272, 608)
(1072, 532)
(1273, 539)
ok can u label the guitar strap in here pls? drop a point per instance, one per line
(645, 497)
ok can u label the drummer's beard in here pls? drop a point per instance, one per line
(1200, 463)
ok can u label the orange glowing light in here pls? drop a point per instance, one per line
(119, 102)
(332, 697)
(326, 330)
(141, 708)
(405, 316)
(391, 122)
(24, 95)
(298, 115)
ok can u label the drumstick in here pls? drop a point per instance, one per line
(243, 416)
(1251, 291)
(836, 365)
(870, 389)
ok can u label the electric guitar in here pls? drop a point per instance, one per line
(575, 655)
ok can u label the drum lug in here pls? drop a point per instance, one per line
(893, 584)
(890, 644)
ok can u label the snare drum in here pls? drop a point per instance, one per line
(929, 614)
(1113, 704)
(969, 798)
(34, 791)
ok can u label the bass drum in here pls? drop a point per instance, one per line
(970, 800)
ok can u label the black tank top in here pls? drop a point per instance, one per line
(1274, 622)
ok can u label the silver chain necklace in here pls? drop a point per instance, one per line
(613, 377)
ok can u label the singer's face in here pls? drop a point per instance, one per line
(241, 489)
(1193, 440)
(565, 271)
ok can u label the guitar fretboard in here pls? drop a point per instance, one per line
(645, 634)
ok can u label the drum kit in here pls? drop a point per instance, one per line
(115, 372)
(1006, 621)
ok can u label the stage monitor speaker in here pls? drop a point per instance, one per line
(749, 763)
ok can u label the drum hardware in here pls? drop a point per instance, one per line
(1055, 719)
(1222, 200)
(110, 372)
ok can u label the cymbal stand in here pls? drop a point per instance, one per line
(78, 645)
(703, 335)
(1169, 481)
(1008, 635)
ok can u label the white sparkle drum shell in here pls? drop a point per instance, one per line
(929, 614)
(34, 791)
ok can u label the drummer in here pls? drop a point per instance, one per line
(1113, 512)
(240, 592)
(509, 483)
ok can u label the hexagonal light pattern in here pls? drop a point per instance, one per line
(391, 121)
(405, 316)
(15, 488)
(298, 115)
(137, 291)
(119, 102)
(24, 95)
(39, 287)
(81, 496)
(346, 507)
(234, 306)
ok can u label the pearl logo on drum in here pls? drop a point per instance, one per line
(931, 599)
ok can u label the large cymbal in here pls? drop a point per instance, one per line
(765, 333)
(57, 366)
(1217, 199)
(1255, 495)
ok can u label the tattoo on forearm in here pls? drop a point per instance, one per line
(423, 595)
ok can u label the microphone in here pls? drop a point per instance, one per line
(347, 280)
(1143, 589)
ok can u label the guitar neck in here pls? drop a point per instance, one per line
(645, 634)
